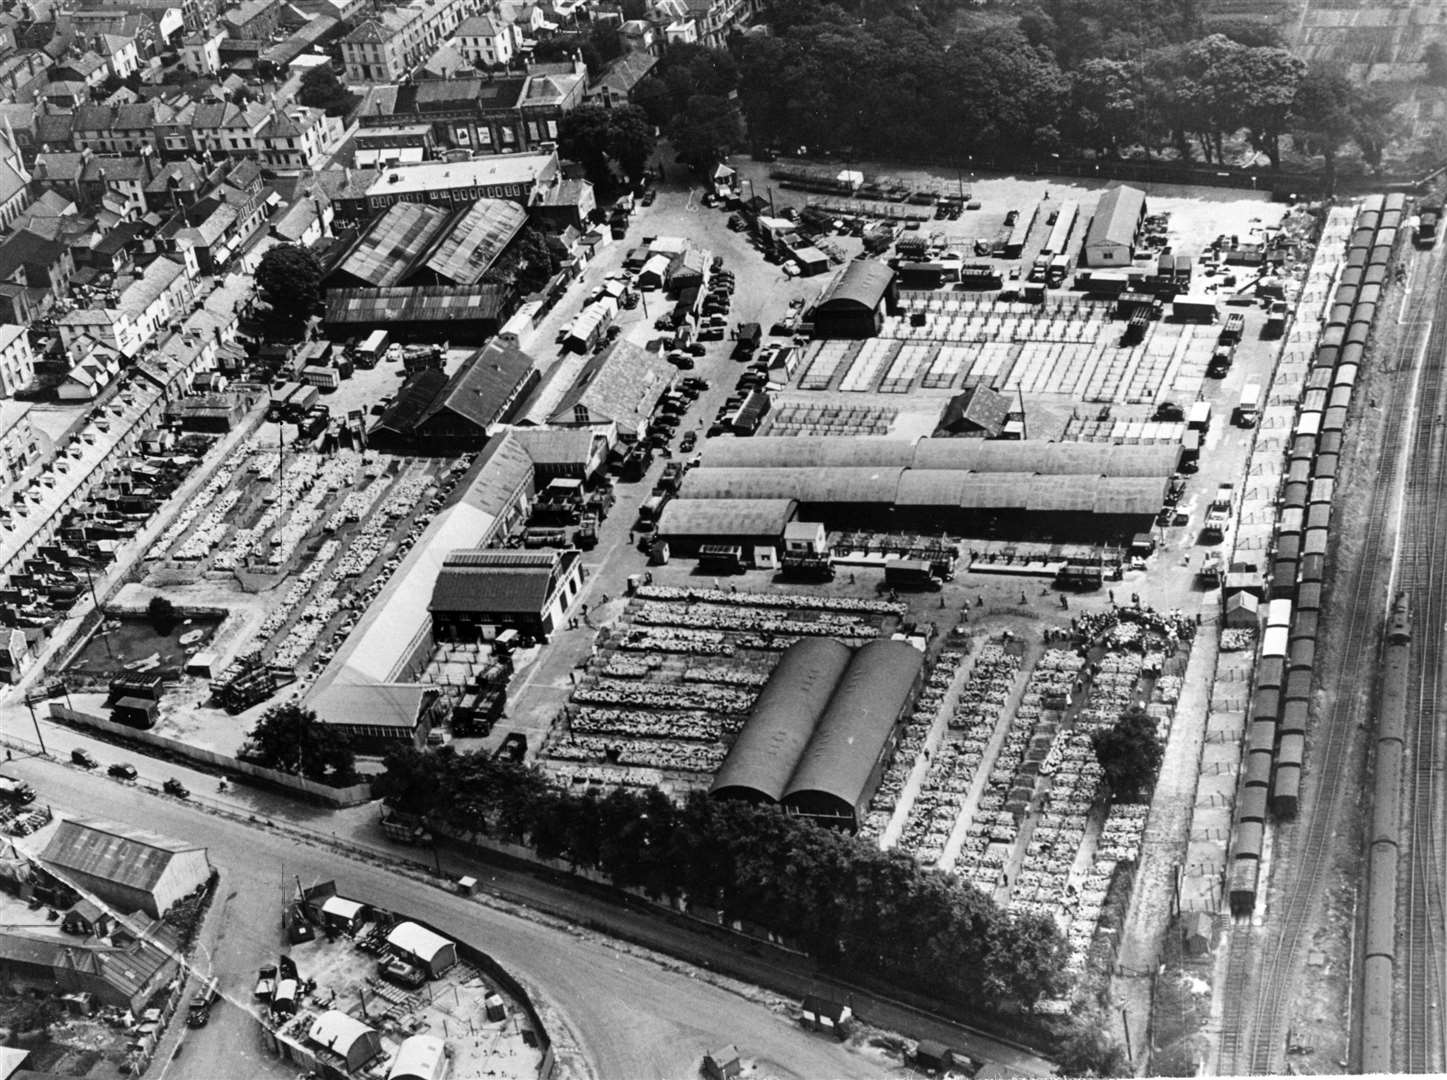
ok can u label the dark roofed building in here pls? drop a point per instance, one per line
(437, 414)
(979, 413)
(856, 301)
(131, 868)
(385, 252)
(125, 972)
(841, 766)
(377, 716)
(784, 715)
(483, 591)
(471, 243)
(690, 524)
(460, 314)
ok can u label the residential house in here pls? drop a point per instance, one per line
(56, 95)
(638, 35)
(88, 379)
(471, 113)
(391, 44)
(14, 180)
(44, 266)
(252, 20)
(87, 67)
(53, 130)
(615, 86)
(219, 128)
(21, 451)
(566, 204)
(347, 12)
(297, 138)
(306, 220)
(392, 144)
(201, 51)
(162, 292)
(117, 183)
(121, 129)
(24, 74)
(485, 41)
(176, 184)
(195, 14)
(122, 55)
(17, 362)
(528, 18)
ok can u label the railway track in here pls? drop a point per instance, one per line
(1256, 1009)
(1420, 971)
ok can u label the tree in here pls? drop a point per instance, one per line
(162, 614)
(706, 130)
(527, 265)
(290, 279)
(1323, 116)
(594, 136)
(290, 739)
(1435, 57)
(1086, 1050)
(1130, 753)
(321, 89)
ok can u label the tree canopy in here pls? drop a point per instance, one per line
(1068, 76)
(290, 279)
(689, 97)
(849, 904)
(596, 137)
(290, 739)
(1130, 753)
(321, 89)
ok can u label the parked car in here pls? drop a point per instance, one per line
(690, 440)
(84, 758)
(649, 196)
(122, 771)
(176, 788)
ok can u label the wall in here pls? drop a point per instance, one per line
(307, 789)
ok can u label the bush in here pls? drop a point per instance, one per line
(162, 614)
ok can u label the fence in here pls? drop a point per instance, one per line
(354, 795)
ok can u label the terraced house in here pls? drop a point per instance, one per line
(390, 45)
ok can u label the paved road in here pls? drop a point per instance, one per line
(631, 1016)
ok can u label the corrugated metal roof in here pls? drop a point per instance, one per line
(862, 712)
(783, 718)
(731, 517)
(416, 303)
(622, 383)
(486, 581)
(134, 858)
(1116, 216)
(806, 451)
(837, 485)
(397, 705)
(475, 241)
(385, 251)
(863, 282)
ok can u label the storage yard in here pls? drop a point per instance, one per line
(921, 527)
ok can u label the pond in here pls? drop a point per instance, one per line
(130, 644)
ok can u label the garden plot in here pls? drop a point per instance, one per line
(670, 685)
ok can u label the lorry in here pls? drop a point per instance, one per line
(403, 828)
(1425, 234)
(16, 791)
(1250, 407)
(1218, 514)
(911, 574)
(199, 1009)
(1220, 362)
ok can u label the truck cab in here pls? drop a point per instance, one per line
(16, 791)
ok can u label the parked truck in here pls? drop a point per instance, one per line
(911, 574)
(1218, 514)
(1425, 233)
(16, 791)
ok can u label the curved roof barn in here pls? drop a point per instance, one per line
(834, 774)
(784, 716)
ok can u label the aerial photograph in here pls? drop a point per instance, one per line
(722, 539)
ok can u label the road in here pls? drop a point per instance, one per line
(631, 1015)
